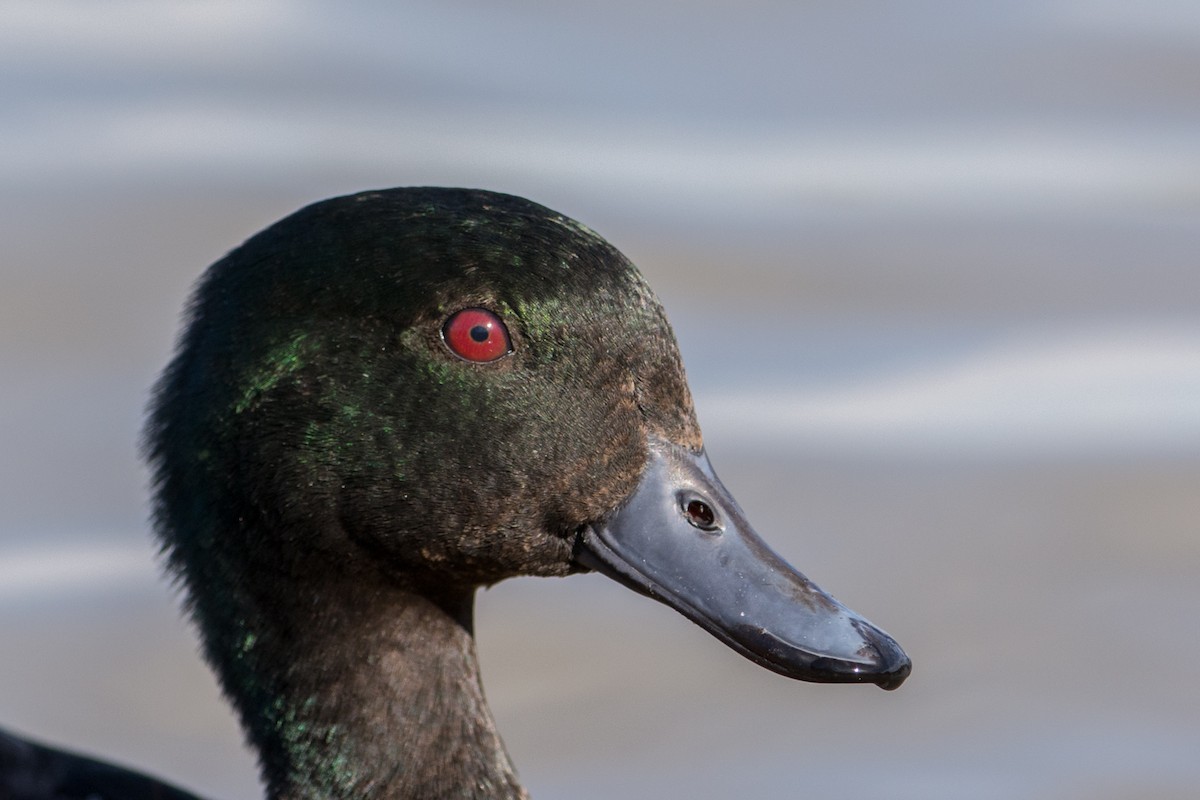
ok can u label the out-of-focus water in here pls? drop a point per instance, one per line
(933, 271)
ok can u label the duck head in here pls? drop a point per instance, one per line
(429, 390)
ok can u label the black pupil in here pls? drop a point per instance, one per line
(479, 333)
(700, 513)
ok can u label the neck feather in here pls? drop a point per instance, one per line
(365, 691)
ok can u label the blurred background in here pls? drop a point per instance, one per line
(933, 268)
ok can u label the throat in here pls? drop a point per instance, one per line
(377, 697)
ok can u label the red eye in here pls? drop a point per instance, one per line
(477, 334)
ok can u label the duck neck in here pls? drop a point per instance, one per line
(370, 693)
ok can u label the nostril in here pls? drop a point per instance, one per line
(701, 515)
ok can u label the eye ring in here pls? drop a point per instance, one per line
(476, 335)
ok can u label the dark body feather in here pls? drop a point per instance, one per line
(30, 771)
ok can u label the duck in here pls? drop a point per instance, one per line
(387, 401)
